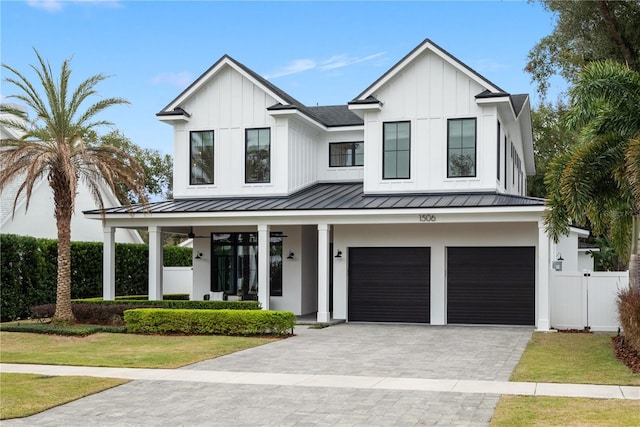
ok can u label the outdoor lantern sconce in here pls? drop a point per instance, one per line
(198, 255)
(291, 255)
(339, 254)
(557, 265)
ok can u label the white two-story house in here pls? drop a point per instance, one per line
(405, 205)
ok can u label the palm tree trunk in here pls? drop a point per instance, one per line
(63, 313)
(634, 259)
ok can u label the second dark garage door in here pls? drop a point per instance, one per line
(389, 284)
(491, 285)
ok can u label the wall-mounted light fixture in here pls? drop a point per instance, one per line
(198, 255)
(339, 254)
(559, 257)
(291, 255)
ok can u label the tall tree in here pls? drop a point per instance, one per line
(550, 139)
(585, 31)
(158, 167)
(599, 180)
(53, 147)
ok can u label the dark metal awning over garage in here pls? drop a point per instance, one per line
(334, 196)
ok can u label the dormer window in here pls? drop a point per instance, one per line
(461, 148)
(201, 156)
(396, 150)
(258, 156)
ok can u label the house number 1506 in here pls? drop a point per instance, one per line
(427, 218)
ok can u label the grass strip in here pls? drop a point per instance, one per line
(27, 394)
(572, 358)
(119, 350)
(513, 411)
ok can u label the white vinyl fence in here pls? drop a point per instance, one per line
(177, 280)
(580, 300)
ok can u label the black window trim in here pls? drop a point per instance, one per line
(383, 151)
(498, 162)
(213, 151)
(475, 147)
(246, 181)
(353, 143)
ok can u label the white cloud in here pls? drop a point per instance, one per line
(56, 5)
(181, 80)
(340, 61)
(294, 67)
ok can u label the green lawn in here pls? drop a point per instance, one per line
(572, 358)
(119, 350)
(22, 395)
(569, 358)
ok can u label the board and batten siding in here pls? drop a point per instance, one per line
(229, 104)
(427, 93)
(302, 168)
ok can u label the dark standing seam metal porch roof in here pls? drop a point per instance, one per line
(330, 196)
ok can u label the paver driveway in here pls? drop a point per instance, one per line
(405, 351)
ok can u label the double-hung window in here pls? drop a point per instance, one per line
(396, 150)
(201, 156)
(461, 148)
(258, 155)
(344, 154)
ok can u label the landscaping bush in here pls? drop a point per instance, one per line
(28, 271)
(196, 304)
(107, 314)
(209, 322)
(629, 312)
(52, 329)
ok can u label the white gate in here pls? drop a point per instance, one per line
(580, 300)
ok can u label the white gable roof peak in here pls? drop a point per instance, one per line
(428, 45)
(224, 62)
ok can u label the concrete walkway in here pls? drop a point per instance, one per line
(348, 374)
(336, 381)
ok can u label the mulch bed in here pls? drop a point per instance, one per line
(626, 354)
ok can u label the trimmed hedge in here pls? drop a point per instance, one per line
(195, 305)
(629, 312)
(28, 271)
(209, 322)
(72, 330)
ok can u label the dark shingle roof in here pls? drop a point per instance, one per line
(334, 196)
(336, 115)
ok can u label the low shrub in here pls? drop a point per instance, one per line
(105, 314)
(196, 305)
(209, 322)
(629, 313)
(52, 329)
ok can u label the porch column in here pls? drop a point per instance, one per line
(542, 304)
(155, 263)
(323, 273)
(109, 264)
(264, 265)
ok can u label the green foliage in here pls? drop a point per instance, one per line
(606, 258)
(196, 305)
(28, 268)
(629, 312)
(585, 31)
(209, 322)
(55, 329)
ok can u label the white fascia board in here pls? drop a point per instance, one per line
(378, 216)
(297, 113)
(345, 128)
(374, 106)
(524, 121)
(581, 232)
(177, 118)
(498, 100)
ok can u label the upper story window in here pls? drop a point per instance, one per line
(461, 148)
(201, 147)
(342, 154)
(258, 155)
(396, 150)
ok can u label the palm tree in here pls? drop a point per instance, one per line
(53, 147)
(599, 181)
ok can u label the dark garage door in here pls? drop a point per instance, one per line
(389, 284)
(491, 285)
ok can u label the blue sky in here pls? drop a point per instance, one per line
(322, 53)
